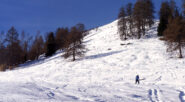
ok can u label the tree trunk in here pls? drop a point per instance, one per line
(139, 33)
(180, 56)
(74, 45)
(125, 36)
(130, 27)
(180, 49)
(143, 28)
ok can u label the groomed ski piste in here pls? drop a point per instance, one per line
(105, 74)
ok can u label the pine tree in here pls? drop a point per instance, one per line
(50, 44)
(122, 24)
(165, 13)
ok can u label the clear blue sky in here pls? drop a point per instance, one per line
(47, 15)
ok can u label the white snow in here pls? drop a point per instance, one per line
(106, 73)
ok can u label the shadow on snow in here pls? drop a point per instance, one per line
(102, 55)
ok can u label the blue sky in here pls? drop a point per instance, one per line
(47, 15)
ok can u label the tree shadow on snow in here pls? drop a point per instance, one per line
(102, 55)
(136, 96)
(87, 41)
(40, 61)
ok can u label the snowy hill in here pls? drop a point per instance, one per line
(106, 74)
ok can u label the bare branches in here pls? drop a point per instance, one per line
(74, 46)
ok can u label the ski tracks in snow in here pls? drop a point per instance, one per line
(164, 94)
(153, 95)
(181, 95)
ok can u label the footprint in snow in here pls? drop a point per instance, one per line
(181, 96)
(50, 95)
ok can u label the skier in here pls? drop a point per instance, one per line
(137, 79)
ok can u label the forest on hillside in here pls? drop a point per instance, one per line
(135, 19)
(133, 22)
(18, 48)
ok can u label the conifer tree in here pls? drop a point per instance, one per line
(25, 44)
(149, 12)
(183, 8)
(14, 49)
(12, 36)
(175, 35)
(2, 49)
(61, 37)
(138, 15)
(173, 8)
(81, 29)
(74, 47)
(165, 13)
(122, 24)
(50, 45)
(143, 16)
(37, 48)
(129, 13)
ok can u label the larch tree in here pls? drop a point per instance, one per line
(183, 8)
(25, 42)
(81, 29)
(2, 48)
(37, 48)
(73, 46)
(175, 35)
(138, 13)
(143, 14)
(122, 24)
(14, 49)
(173, 8)
(149, 12)
(61, 37)
(12, 36)
(129, 12)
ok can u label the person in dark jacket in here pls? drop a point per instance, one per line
(137, 79)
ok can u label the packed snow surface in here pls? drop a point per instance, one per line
(106, 73)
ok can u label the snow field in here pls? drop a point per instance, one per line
(106, 73)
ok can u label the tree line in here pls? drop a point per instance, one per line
(135, 19)
(18, 48)
(171, 26)
(133, 22)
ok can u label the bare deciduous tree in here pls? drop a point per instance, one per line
(122, 24)
(175, 35)
(74, 47)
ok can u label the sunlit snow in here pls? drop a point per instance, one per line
(106, 73)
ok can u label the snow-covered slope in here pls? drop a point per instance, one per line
(106, 73)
